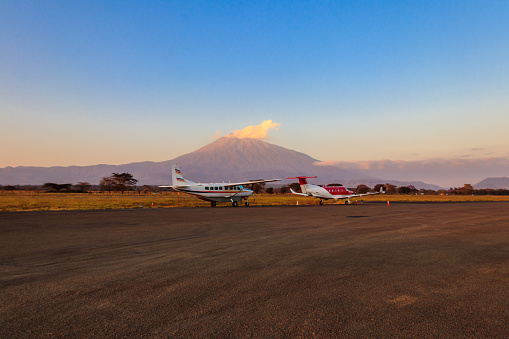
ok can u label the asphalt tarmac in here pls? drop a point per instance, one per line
(424, 270)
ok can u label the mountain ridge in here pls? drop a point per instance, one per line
(225, 159)
(493, 183)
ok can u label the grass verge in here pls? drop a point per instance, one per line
(34, 201)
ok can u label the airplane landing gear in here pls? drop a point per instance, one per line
(235, 204)
(247, 203)
(213, 204)
(321, 202)
(347, 202)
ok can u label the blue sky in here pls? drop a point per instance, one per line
(114, 82)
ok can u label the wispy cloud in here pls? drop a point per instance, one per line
(255, 132)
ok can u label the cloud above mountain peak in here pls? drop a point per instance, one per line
(255, 132)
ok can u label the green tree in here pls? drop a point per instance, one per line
(118, 182)
(362, 189)
(145, 189)
(53, 187)
(123, 181)
(284, 189)
(404, 190)
(106, 184)
(390, 189)
(82, 187)
(467, 189)
(257, 188)
(295, 187)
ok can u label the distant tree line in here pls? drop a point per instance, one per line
(467, 189)
(122, 182)
(119, 182)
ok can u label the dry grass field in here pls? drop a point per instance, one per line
(36, 201)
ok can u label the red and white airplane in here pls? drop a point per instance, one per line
(329, 192)
(214, 192)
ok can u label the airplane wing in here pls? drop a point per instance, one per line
(177, 186)
(245, 183)
(250, 182)
(360, 194)
(371, 193)
(364, 194)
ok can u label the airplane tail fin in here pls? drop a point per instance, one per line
(177, 178)
(303, 183)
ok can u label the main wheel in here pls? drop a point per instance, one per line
(234, 204)
(321, 202)
(247, 203)
(347, 202)
(213, 204)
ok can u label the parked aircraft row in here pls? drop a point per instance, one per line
(236, 192)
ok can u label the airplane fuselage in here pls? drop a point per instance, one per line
(331, 192)
(217, 192)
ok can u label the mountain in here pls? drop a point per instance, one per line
(226, 159)
(243, 159)
(493, 183)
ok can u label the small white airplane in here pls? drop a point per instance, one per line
(329, 192)
(214, 192)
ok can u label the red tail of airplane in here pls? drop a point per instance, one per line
(302, 180)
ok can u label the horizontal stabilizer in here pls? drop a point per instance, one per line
(302, 180)
(298, 193)
(302, 177)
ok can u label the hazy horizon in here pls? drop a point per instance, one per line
(442, 172)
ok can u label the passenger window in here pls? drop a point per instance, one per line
(206, 188)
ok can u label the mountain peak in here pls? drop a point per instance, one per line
(245, 155)
(225, 159)
(230, 142)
